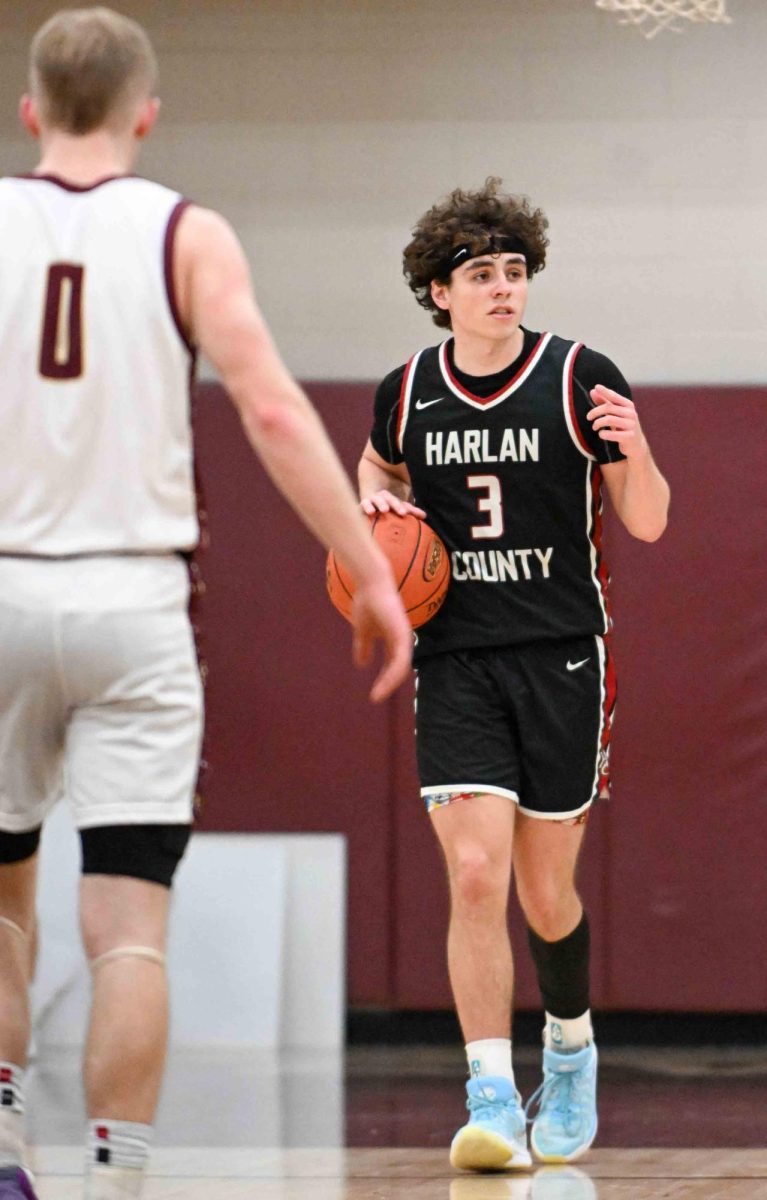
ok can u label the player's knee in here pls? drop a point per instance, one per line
(149, 852)
(543, 902)
(477, 878)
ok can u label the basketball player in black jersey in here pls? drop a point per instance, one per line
(502, 438)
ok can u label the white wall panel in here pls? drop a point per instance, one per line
(324, 130)
(278, 982)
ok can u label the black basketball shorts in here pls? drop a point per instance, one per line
(531, 722)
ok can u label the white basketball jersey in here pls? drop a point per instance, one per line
(94, 371)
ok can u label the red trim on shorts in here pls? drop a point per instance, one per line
(502, 391)
(608, 706)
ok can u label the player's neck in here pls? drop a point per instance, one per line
(87, 159)
(483, 356)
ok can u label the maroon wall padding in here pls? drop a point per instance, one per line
(687, 876)
(292, 742)
(673, 869)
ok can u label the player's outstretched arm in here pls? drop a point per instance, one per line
(217, 303)
(384, 487)
(638, 491)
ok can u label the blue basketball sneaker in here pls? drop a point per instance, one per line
(494, 1137)
(566, 1122)
(15, 1185)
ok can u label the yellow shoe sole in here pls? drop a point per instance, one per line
(476, 1149)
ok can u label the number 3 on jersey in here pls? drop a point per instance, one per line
(61, 343)
(492, 504)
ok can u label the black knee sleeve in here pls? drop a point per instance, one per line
(15, 847)
(150, 852)
(563, 970)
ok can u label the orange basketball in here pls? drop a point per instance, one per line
(419, 560)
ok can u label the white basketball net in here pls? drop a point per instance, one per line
(651, 16)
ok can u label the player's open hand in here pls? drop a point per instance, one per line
(616, 419)
(384, 501)
(377, 613)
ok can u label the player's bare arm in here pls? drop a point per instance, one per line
(638, 491)
(384, 487)
(217, 303)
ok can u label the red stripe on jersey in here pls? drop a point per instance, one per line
(603, 575)
(168, 259)
(573, 417)
(75, 187)
(610, 681)
(506, 387)
(402, 394)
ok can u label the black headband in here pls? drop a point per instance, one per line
(496, 244)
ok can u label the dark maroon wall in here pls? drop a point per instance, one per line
(674, 865)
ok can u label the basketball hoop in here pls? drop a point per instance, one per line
(651, 16)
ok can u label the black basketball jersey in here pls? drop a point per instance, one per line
(513, 487)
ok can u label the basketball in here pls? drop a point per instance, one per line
(419, 560)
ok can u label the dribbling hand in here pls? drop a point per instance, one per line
(384, 501)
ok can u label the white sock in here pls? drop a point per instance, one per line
(12, 1153)
(490, 1056)
(568, 1036)
(116, 1159)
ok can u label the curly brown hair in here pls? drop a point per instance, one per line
(472, 218)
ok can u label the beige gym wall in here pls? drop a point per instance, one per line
(322, 130)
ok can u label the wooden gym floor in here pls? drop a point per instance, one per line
(204, 1173)
(675, 1124)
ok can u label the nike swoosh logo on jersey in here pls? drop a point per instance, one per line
(427, 403)
(574, 666)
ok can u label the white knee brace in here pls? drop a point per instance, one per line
(145, 952)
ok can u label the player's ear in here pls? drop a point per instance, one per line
(146, 117)
(439, 294)
(28, 115)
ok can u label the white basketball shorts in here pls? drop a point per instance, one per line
(100, 693)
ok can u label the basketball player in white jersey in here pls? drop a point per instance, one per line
(108, 283)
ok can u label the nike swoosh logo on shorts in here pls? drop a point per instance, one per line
(427, 403)
(574, 666)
